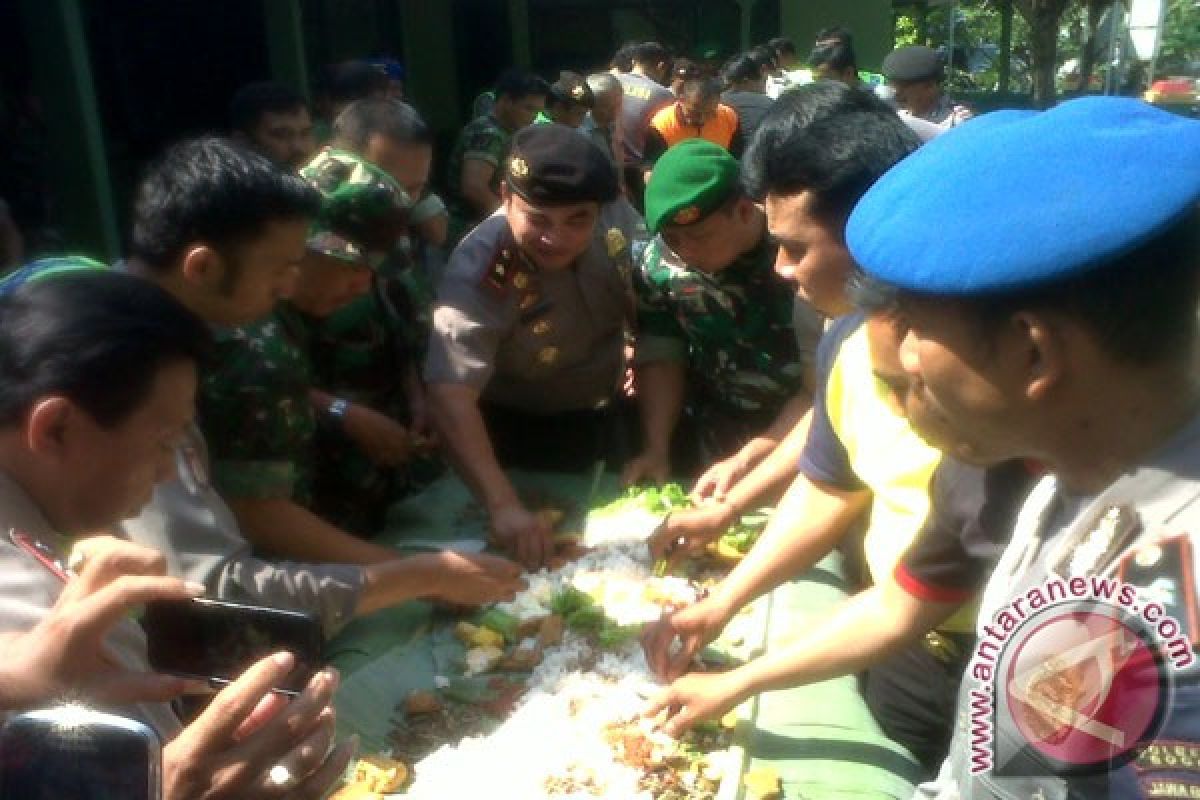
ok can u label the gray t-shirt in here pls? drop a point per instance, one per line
(643, 99)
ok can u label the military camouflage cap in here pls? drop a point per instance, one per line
(363, 210)
(690, 181)
(45, 269)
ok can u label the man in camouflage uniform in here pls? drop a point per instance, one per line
(259, 408)
(475, 167)
(366, 351)
(715, 332)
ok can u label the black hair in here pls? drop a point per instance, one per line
(354, 80)
(212, 191)
(701, 88)
(1140, 306)
(834, 33)
(650, 54)
(782, 46)
(622, 59)
(516, 83)
(253, 100)
(739, 69)
(829, 139)
(96, 337)
(394, 119)
(764, 57)
(838, 55)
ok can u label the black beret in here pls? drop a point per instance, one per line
(553, 165)
(571, 89)
(914, 63)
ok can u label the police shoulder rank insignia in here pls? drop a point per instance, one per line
(615, 241)
(518, 167)
(1164, 572)
(500, 274)
(686, 216)
(577, 93)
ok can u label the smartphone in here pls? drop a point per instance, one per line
(75, 752)
(217, 641)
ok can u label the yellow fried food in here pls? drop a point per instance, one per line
(355, 791)
(380, 773)
(763, 784)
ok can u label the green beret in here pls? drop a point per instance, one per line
(363, 210)
(690, 181)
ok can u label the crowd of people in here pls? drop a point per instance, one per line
(933, 342)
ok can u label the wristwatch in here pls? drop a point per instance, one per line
(337, 409)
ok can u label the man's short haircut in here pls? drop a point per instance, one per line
(603, 83)
(1140, 306)
(834, 33)
(837, 55)
(739, 69)
(214, 192)
(517, 83)
(354, 80)
(829, 139)
(764, 57)
(650, 54)
(394, 119)
(250, 102)
(622, 60)
(701, 89)
(782, 46)
(96, 337)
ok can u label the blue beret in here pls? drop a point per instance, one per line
(1015, 199)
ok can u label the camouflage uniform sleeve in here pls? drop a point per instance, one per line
(660, 337)
(250, 421)
(471, 316)
(485, 145)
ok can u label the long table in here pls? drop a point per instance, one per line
(821, 739)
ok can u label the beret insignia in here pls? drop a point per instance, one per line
(615, 241)
(686, 216)
(518, 167)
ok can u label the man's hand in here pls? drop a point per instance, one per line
(474, 580)
(523, 535)
(693, 627)
(695, 698)
(253, 743)
(383, 440)
(651, 465)
(65, 654)
(685, 533)
(718, 479)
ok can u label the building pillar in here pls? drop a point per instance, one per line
(62, 76)
(430, 70)
(518, 21)
(285, 43)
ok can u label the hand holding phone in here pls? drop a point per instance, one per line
(217, 641)
(66, 652)
(231, 750)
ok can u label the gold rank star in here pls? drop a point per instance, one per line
(548, 355)
(521, 280)
(527, 301)
(541, 327)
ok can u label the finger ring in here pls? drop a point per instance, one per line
(280, 776)
(75, 560)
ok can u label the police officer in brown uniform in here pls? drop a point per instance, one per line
(528, 331)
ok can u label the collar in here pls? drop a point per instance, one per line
(24, 525)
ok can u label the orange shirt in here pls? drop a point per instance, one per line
(718, 130)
